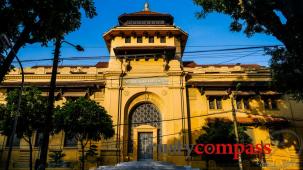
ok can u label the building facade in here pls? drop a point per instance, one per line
(156, 98)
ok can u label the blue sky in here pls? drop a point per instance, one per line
(209, 33)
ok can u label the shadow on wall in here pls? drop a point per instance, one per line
(187, 156)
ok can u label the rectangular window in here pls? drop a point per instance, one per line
(274, 104)
(139, 40)
(151, 40)
(219, 103)
(38, 139)
(212, 103)
(239, 103)
(70, 142)
(246, 104)
(215, 102)
(266, 104)
(270, 104)
(127, 39)
(16, 142)
(162, 39)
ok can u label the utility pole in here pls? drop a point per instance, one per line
(236, 129)
(51, 96)
(50, 107)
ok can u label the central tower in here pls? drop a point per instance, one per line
(145, 34)
(145, 81)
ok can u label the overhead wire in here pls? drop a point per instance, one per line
(237, 58)
(191, 46)
(205, 115)
(174, 119)
(188, 53)
(139, 77)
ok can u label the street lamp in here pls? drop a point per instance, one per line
(7, 44)
(77, 47)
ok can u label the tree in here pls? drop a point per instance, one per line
(31, 119)
(85, 121)
(222, 132)
(279, 18)
(57, 158)
(2, 113)
(31, 21)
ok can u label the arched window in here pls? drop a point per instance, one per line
(143, 114)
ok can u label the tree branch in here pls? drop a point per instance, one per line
(273, 23)
(26, 138)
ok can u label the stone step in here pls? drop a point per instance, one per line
(146, 165)
(24, 156)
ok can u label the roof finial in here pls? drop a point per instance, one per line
(146, 6)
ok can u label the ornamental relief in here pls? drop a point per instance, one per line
(38, 77)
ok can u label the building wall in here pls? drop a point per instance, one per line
(167, 96)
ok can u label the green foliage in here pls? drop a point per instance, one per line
(46, 19)
(83, 119)
(91, 154)
(287, 72)
(282, 19)
(32, 112)
(32, 21)
(2, 113)
(222, 132)
(56, 158)
(31, 115)
(92, 151)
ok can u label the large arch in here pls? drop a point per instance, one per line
(134, 116)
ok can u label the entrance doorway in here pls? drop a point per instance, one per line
(145, 146)
(147, 116)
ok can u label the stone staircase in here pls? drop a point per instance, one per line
(146, 165)
(23, 159)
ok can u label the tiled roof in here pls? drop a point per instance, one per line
(102, 65)
(145, 13)
(169, 19)
(252, 119)
(61, 66)
(98, 65)
(192, 64)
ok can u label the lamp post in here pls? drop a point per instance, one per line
(50, 107)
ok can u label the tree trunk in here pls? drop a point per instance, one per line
(30, 153)
(50, 107)
(11, 55)
(83, 155)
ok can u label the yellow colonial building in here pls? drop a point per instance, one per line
(156, 98)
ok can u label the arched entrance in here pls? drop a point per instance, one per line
(144, 113)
